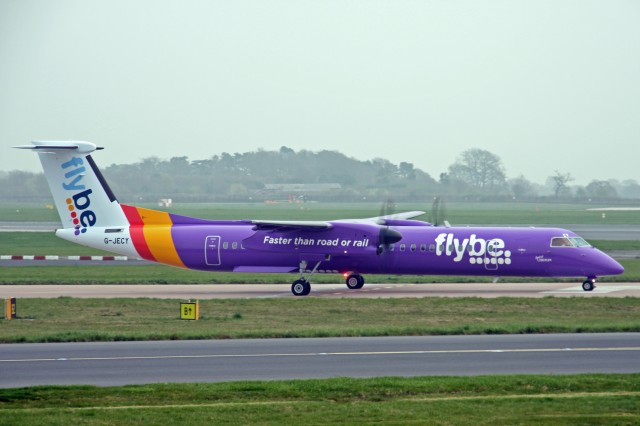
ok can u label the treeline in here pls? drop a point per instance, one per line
(477, 175)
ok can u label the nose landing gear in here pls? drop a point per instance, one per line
(589, 284)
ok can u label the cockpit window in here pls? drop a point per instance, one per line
(579, 242)
(561, 242)
(569, 242)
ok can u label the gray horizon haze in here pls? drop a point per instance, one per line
(545, 85)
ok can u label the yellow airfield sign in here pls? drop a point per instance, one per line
(189, 310)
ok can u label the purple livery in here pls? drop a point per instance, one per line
(391, 244)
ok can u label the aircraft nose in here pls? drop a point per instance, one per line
(611, 267)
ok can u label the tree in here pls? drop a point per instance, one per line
(406, 171)
(480, 169)
(521, 187)
(559, 181)
(630, 189)
(601, 189)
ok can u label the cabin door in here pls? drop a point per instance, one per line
(212, 250)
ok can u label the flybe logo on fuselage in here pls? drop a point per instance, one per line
(479, 250)
(78, 203)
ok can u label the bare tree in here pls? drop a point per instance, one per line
(479, 169)
(560, 181)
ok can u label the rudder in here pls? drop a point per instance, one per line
(81, 194)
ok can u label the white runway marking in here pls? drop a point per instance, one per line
(424, 352)
(599, 289)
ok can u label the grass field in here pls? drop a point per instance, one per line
(485, 400)
(490, 400)
(68, 319)
(457, 213)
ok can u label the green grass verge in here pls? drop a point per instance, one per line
(610, 245)
(115, 273)
(69, 319)
(42, 244)
(456, 212)
(484, 400)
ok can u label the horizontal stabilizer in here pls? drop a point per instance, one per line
(44, 146)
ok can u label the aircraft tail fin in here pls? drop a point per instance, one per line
(79, 190)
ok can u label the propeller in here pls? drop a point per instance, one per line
(439, 211)
(388, 208)
(387, 236)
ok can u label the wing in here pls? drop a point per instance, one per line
(318, 225)
(291, 224)
(395, 216)
(386, 219)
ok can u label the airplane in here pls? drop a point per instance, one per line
(388, 244)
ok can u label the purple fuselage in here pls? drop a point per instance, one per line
(356, 247)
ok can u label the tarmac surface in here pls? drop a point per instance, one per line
(122, 363)
(250, 291)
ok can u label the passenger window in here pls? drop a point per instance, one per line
(432, 248)
(423, 247)
(392, 247)
(225, 245)
(234, 245)
(402, 247)
(413, 247)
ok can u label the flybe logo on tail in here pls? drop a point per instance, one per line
(78, 203)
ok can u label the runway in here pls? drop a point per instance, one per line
(121, 363)
(246, 291)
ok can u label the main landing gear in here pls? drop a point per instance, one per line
(302, 286)
(589, 284)
(355, 281)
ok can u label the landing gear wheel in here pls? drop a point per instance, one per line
(300, 287)
(588, 285)
(355, 281)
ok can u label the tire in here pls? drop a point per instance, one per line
(300, 287)
(588, 285)
(354, 281)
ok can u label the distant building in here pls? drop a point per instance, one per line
(301, 187)
(295, 192)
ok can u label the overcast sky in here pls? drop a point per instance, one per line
(546, 85)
